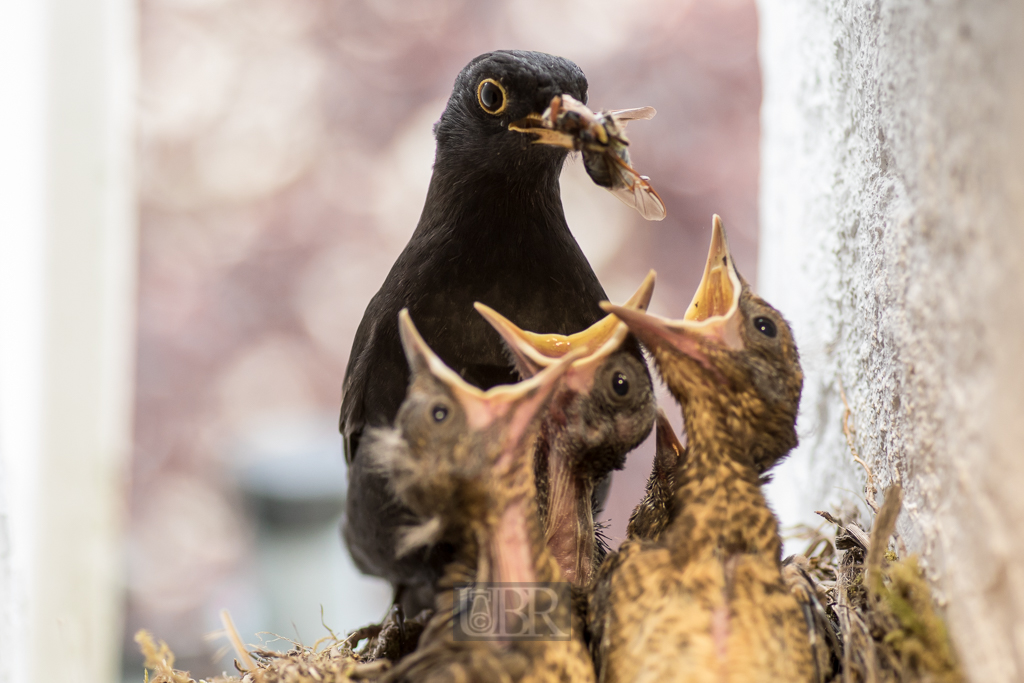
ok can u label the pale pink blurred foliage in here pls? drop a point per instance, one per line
(285, 147)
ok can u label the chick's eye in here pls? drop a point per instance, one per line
(765, 326)
(620, 385)
(439, 413)
(491, 96)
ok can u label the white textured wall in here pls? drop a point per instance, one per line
(22, 149)
(893, 238)
(67, 301)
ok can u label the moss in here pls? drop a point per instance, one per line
(881, 607)
(916, 632)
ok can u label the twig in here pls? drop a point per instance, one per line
(869, 488)
(333, 637)
(883, 528)
(236, 640)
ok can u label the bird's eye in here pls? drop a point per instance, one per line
(491, 96)
(439, 413)
(765, 326)
(620, 385)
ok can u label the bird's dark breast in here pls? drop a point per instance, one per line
(519, 259)
(539, 281)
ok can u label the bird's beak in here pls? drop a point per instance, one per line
(510, 408)
(669, 450)
(536, 124)
(712, 317)
(543, 125)
(718, 294)
(533, 352)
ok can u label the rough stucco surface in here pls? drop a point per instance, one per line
(892, 201)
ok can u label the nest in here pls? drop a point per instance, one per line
(329, 660)
(875, 621)
(871, 617)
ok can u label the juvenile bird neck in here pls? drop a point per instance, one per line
(569, 528)
(721, 508)
(512, 542)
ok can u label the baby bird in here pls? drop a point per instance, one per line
(459, 457)
(603, 408)
(652, 515)
(707, 602)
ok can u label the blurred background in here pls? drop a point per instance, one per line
(283, 153)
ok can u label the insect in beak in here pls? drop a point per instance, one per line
(601, 137)
(538, 125)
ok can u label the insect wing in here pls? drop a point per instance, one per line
(643, 198)
(624, 116)
(634, 190)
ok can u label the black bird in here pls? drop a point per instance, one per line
(492, 230)
(603, 408)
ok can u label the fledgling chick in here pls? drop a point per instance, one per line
(603, 408)
(652, 514)
(707, 602)
(459, 457)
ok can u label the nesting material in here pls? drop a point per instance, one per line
(333, 663)
(329, 660)
(882, 623)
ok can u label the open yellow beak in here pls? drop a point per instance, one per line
(713, 315)
(718, 294)
(533, 352)
(514, 404)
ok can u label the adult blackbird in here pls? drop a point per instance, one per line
(492, 230)
(707, 601)
(461, 458)
(603, 408)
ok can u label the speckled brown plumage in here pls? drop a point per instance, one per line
(707, 601)
(460, 459)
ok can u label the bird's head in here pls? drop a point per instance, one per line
(731, 362)
(494, 90)
(461, 447)
(604, 405)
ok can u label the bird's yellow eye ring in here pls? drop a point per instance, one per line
(491, 96)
